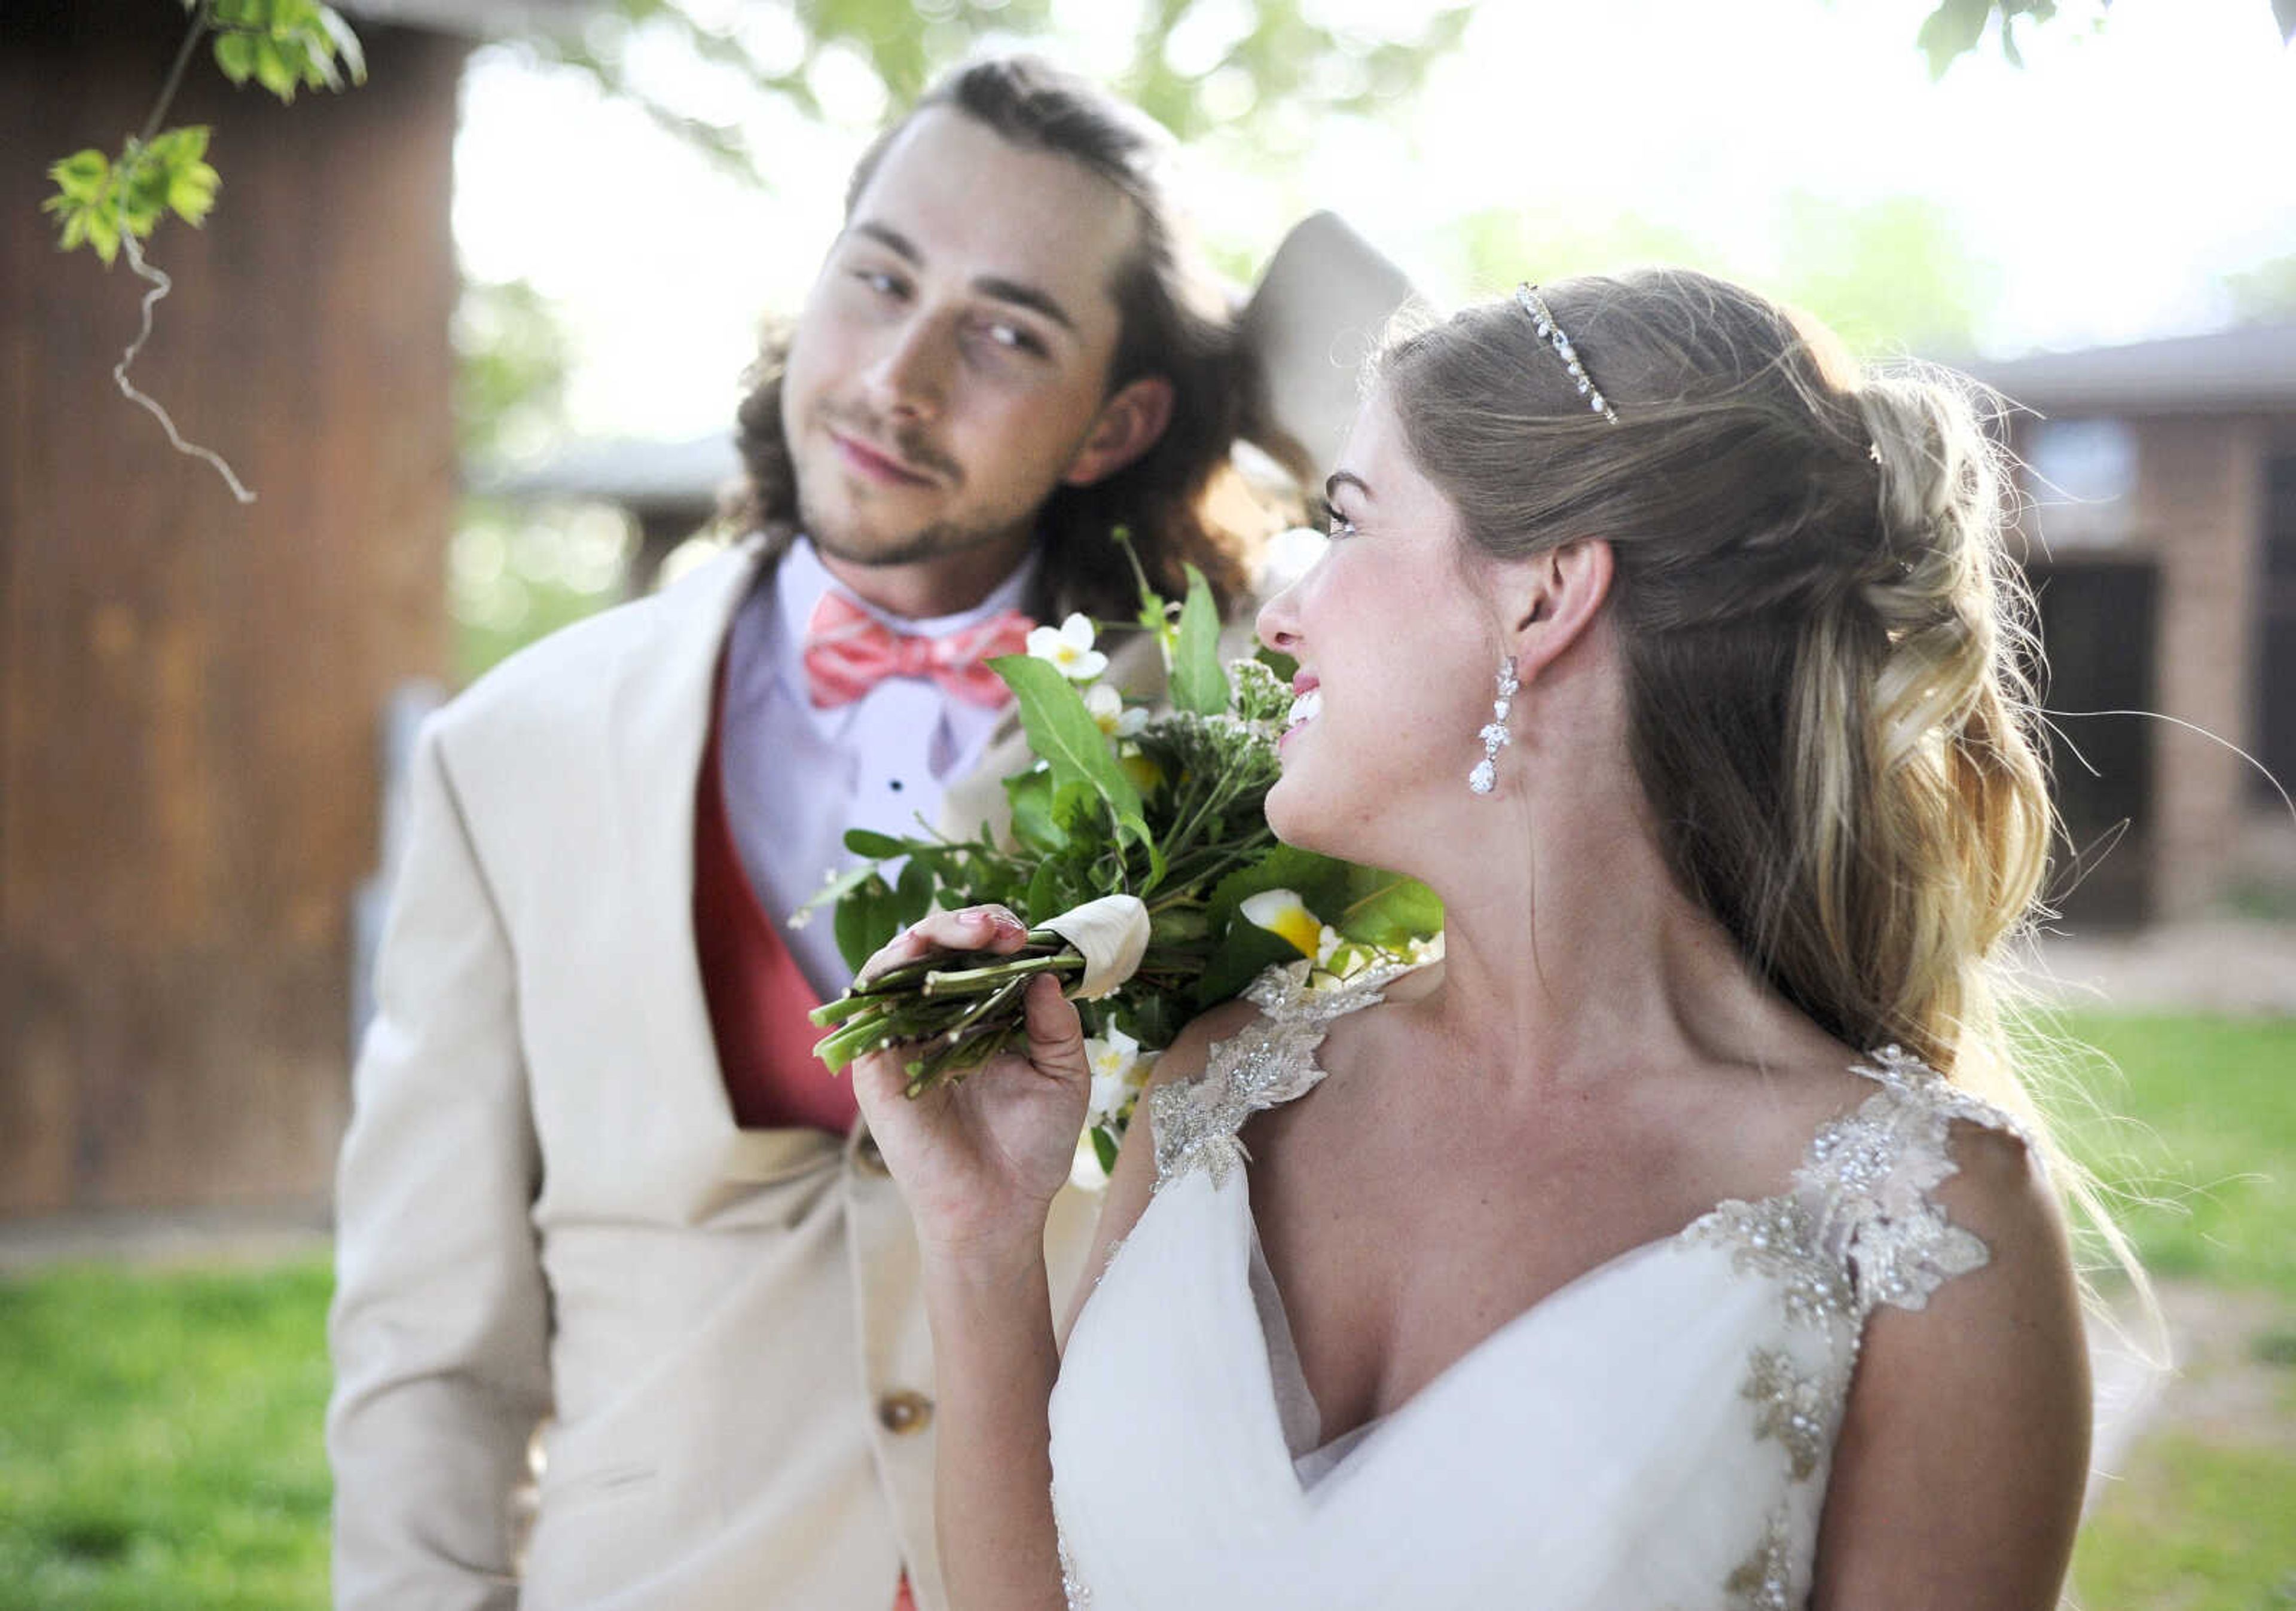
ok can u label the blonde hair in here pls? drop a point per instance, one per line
(1825, 645)
(1828, 653)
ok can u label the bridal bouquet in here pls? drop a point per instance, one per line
(1140, 856)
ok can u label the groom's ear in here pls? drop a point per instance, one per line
(1128, 426)
(1553, 597)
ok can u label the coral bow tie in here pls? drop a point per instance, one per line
(848, 651)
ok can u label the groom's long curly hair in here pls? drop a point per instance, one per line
(1175, 323)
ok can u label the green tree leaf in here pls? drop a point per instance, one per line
(274, 71)
(234, 54)
(82, 177)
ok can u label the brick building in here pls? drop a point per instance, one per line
(2162, 544)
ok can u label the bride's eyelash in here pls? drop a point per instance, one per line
(1337, 525)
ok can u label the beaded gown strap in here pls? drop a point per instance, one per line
(1870, 1177)
(1268, 1062)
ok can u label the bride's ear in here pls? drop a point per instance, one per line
(1554, 597)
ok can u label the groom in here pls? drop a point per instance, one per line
(593, 1177)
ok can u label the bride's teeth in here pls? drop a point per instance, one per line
(1306, 708)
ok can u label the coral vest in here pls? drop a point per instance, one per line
(758, 999)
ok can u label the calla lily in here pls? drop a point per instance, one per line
(1282, 913)
(1068, 646)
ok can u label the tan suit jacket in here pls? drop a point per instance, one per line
(546, 1209)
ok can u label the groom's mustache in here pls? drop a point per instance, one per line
(906, 443)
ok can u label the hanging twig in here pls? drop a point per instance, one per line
(161, 285)
(202, 19)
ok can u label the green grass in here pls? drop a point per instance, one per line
(160, 1440)
(159, 1431)
(2198, 1151)
(2194, 1526)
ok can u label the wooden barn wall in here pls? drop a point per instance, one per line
(188, 688)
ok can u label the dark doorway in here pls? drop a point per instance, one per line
(2275, 636)
(2099, 625)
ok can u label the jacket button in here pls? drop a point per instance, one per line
(867, 1158)
(905, 1412)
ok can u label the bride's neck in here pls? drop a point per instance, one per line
(1576, 950)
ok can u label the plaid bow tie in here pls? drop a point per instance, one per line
(848, 651)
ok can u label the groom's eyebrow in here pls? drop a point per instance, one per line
(996, 287)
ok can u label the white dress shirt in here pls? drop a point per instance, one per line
(798, 777)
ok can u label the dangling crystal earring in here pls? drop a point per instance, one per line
(1495, 734)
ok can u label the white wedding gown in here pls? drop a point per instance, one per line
(1654, 1436)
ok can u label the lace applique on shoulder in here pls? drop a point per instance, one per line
(1269, 1062)
(1860, 1229)
(1873, 1173)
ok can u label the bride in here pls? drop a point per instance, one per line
(1681, 1237)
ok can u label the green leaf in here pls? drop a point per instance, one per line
(192, 191)
(1104, 1148)
(1048, 895)
(1062, 731)
(75, 221)
(876, 847)
(1198, 682)
(829, 894)
(82, 176)
(1952, 29)
(234, 54)
(913, 893)
(274, 71)
(1387, 910)
(103, 233)
(866, 920)
(1242, 949)
(1031, 797)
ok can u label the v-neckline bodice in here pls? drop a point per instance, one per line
(1655, 1430)
(1294, 1068)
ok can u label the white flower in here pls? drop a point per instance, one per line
(1120, 1069)
(1288, 556)
(1107, 708)
(1068, 646)
(1282, 911)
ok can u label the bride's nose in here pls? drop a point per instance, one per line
(1278, 623)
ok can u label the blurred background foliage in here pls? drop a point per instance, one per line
(1248, 85)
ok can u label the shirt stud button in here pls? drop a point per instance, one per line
(905, 1413)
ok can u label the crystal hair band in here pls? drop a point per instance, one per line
(1532, 303)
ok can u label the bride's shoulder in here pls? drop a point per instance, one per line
(1191, 1050)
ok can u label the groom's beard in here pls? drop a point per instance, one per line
(940, 540)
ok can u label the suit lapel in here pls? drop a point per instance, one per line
(656, 722)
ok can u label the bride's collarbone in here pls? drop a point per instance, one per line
(1403, 1227)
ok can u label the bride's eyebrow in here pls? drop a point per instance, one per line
(1341, 478)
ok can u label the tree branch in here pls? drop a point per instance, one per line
(161, 285)
(203, 17)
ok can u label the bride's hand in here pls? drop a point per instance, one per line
(980, 1160)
